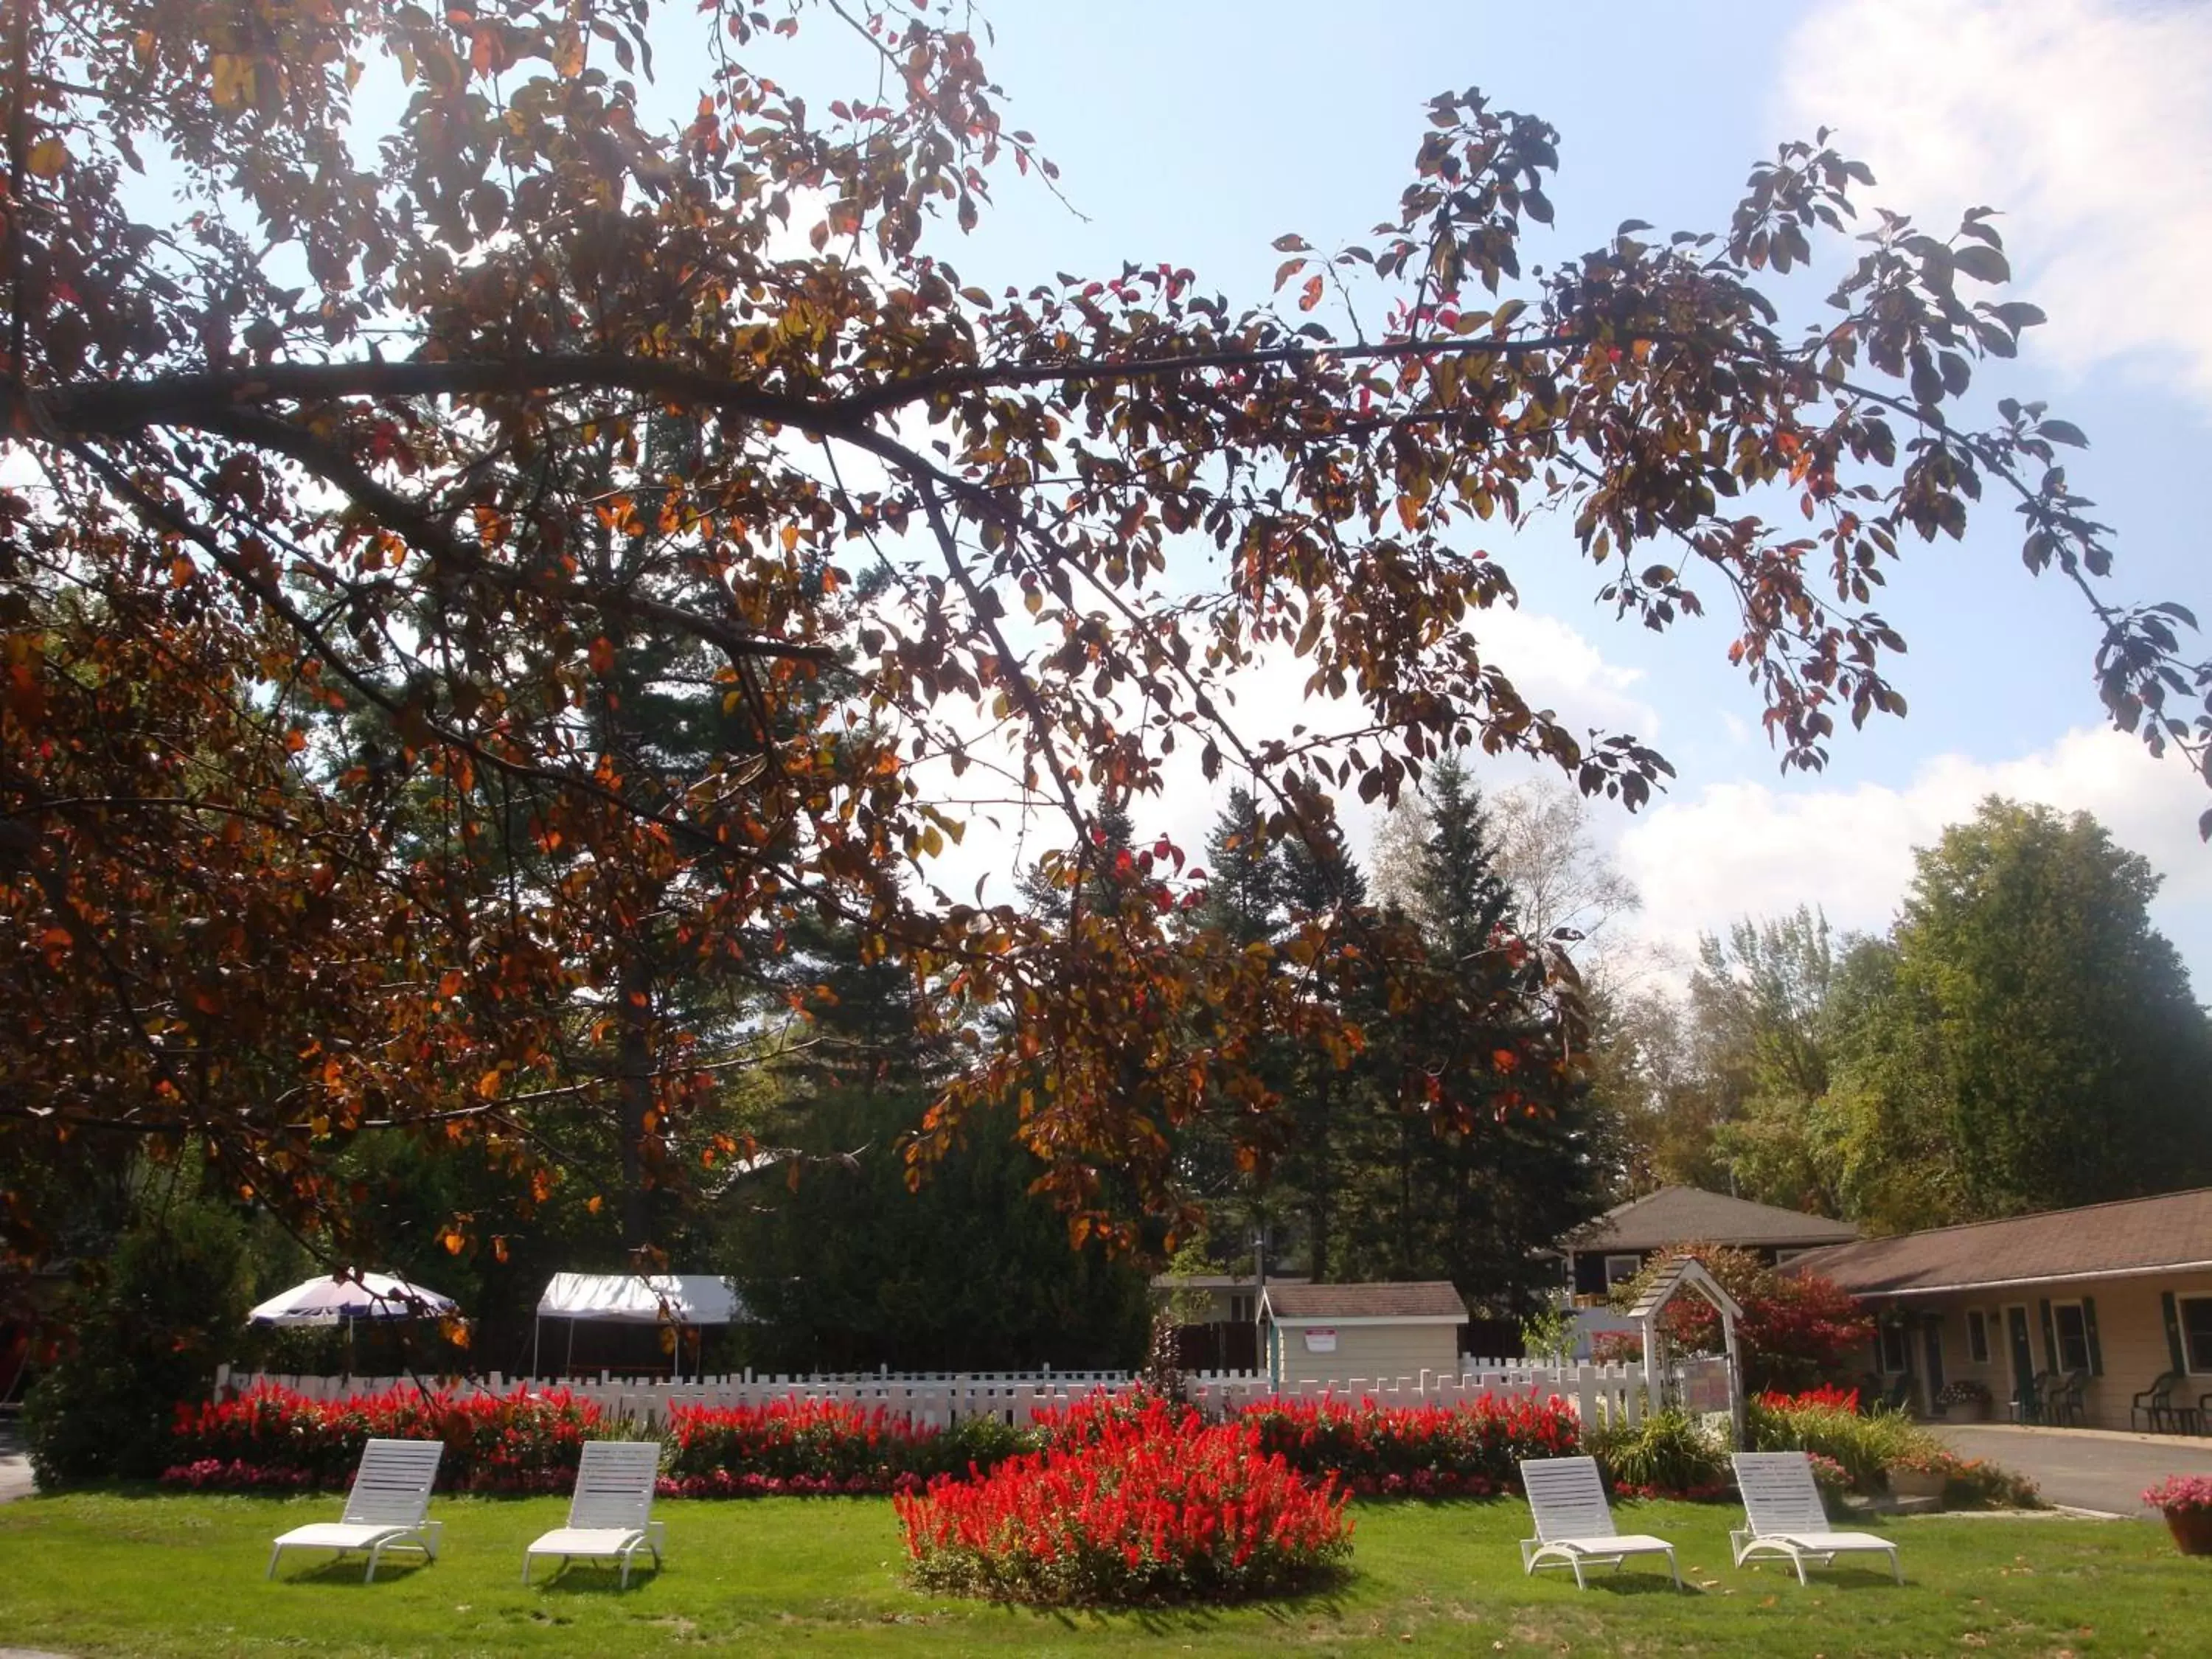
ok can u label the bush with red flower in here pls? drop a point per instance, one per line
(798, 1448)
(1471, 1449)
(1148, 1504)
(272, 1439)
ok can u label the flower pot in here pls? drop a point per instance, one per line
(2191, 1530)
(1916, 1483)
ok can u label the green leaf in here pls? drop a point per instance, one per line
(2064, 432)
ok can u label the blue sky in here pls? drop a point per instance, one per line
(1198, 132)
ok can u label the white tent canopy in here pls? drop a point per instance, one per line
(332, 1300)
(641, 1298)
(680, 1299)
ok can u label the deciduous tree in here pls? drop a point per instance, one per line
(328, 404)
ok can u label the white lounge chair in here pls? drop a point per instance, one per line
(385, 1511)
(609, 1516)
(1574, 1524)
(1783, 1517)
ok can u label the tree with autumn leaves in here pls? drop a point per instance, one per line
(370, 467)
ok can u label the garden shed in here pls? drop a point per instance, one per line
(1332, 1334)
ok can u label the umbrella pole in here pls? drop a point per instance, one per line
(570, 1369)
(537, 1337)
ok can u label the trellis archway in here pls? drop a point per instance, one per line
(1687, 1273)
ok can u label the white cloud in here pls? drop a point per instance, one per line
(2087, 121)
(1555, 665)
(1744, 848)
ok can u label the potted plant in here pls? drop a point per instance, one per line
(1966, 1398)
(2185, 1500)
(1920, 1474)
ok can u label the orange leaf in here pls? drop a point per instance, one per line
(1311, 296)
(602, 655)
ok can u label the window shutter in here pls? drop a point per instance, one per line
(2089, 1325)
(2172, 1331)
(2050, 1336)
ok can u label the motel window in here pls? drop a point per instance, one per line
(2197, 1333)
(1240, 1310)
(1977, 1336)
(2073, 1332)
(1896, 1351)
(1619, 1269)
(1784, 1258)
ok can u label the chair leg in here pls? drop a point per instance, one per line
(1673, 1571)
(375, 1554)
(1896, 1567)
(1798, 1561)
(274, 1553)
(525, 1566)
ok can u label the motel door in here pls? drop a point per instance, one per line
(2023, 1364)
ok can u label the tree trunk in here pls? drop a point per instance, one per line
(634, 1097)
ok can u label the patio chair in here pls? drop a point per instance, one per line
(385, 1511)
(2066, 1398)
(1783, 1517)
(2156, 1407)
(609, 1516)
(1574, 1524)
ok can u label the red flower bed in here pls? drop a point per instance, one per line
(272, 1439)
(1145, 1504)
(1422, 1451)
(795, 1447)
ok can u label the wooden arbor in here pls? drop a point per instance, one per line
(1687, 1273)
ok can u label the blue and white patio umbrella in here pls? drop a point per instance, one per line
(343, 1300)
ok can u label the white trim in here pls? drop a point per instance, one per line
(1633, 1258)
(2058, 1337)
(2181, 1320)
(1300, 1321)
(2039, 1278)
(1881, 1336)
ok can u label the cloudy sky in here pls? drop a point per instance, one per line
(1198, 133)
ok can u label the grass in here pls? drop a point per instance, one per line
(126, 1573)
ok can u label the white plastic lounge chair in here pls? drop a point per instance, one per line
(385, 1511)
(1784, 1515)
(1573, 1525)
(609, 1518)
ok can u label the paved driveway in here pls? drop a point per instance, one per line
(15, 1467)
(2087, 1468)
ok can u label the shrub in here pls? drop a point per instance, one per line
(275, 1438)
(148, 1332)
(1865, 1445)
(1419, 1451)
(1666, 1455)
(1154, 1507)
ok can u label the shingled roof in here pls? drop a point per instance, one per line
(1433, 1299)
(1687, 1215)
(2168, 1234)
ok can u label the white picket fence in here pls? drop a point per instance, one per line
(1599, 1393)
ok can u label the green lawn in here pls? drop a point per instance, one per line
(127, 1574)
